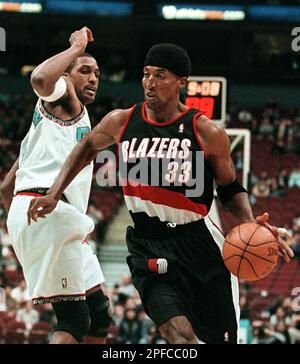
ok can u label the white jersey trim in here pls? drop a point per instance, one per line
(163, 212)
(56, 120)
(219, 240)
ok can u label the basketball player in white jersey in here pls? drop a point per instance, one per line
(58, 264)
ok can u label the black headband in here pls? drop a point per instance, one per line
(171, 57)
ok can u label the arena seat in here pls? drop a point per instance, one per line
(106, 201)
(7, 317)
(12, 277)
(16, 333)
(112, 335)
(39, 333)
(282, 280)
(2, 332)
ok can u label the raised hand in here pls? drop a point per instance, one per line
(81, 38)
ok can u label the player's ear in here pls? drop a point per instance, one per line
(182, 82)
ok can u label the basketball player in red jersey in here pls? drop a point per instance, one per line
(175, 250)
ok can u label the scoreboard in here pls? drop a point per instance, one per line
(208, 94)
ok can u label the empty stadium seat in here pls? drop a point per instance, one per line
(16, 333)
(2, 332)
(39, 333)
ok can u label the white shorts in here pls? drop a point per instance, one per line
(57, 265)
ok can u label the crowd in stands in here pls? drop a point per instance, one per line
(275, 160)
(276, 321)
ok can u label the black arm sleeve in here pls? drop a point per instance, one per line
(225, 193)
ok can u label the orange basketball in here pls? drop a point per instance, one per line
(250, 251)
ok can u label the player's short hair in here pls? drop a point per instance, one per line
(72, 64)
(169, 56)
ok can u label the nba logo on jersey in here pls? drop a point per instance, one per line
(181, 127)
(226, 336)
(64, 283)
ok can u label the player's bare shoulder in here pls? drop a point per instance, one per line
(212, 135)
(208, 128)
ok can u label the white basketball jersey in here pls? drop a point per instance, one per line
(44, 151)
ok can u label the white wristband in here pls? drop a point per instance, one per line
(59, 90)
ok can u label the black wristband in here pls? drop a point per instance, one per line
(225, 193)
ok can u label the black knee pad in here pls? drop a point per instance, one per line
(73, 318)
(100, 314)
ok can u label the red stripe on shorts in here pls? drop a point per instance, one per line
(33, 194)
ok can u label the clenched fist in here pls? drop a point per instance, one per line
(81, 38)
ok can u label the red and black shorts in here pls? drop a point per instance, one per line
(196, 283)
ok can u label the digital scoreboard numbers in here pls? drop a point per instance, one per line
(208, 94)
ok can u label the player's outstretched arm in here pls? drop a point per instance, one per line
(103, 135)
(45, 75)
(8, 185)
(217, 147)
